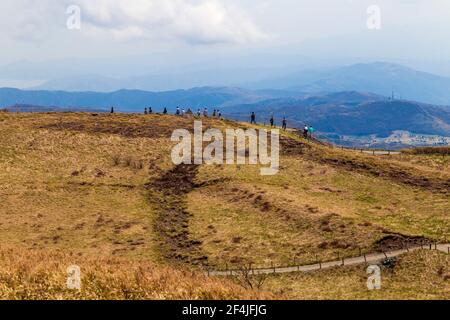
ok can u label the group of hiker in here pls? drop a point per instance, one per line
(182, 112)
(271, 121)
(308, 130)
(200, 113)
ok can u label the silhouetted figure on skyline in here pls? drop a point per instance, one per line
(253, 118)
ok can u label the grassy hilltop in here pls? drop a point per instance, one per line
(100, 191)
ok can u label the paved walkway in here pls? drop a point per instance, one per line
(365, 259)
(381, 153)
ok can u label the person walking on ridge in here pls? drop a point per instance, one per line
(305, 132)
(311, 132)
(253, 118)
(284, 124)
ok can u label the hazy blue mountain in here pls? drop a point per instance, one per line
(380, 78)
(34, 108)
(364, 114)
(132, 100)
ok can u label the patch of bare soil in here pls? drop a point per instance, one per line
(292, 147)
(398, 241)
(168, 194)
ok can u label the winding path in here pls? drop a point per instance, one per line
(365, 259)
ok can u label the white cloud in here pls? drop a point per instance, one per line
(192, 21)
(200, 21)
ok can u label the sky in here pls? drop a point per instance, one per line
(411, 31)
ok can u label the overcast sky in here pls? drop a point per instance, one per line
(37, 29)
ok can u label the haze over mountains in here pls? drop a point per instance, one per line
(379, 77)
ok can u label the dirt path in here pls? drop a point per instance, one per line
(168, 196)
(374, 258)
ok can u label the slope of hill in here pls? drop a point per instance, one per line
(380, 78)
(353, 114)
(104, 190)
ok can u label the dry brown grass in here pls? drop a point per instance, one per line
(77, 183)
(309, 209)
(39, 274)
(429, 150)
(418, 275)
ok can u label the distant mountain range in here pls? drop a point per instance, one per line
(35, 108)
(136, 100)
(380, 78)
